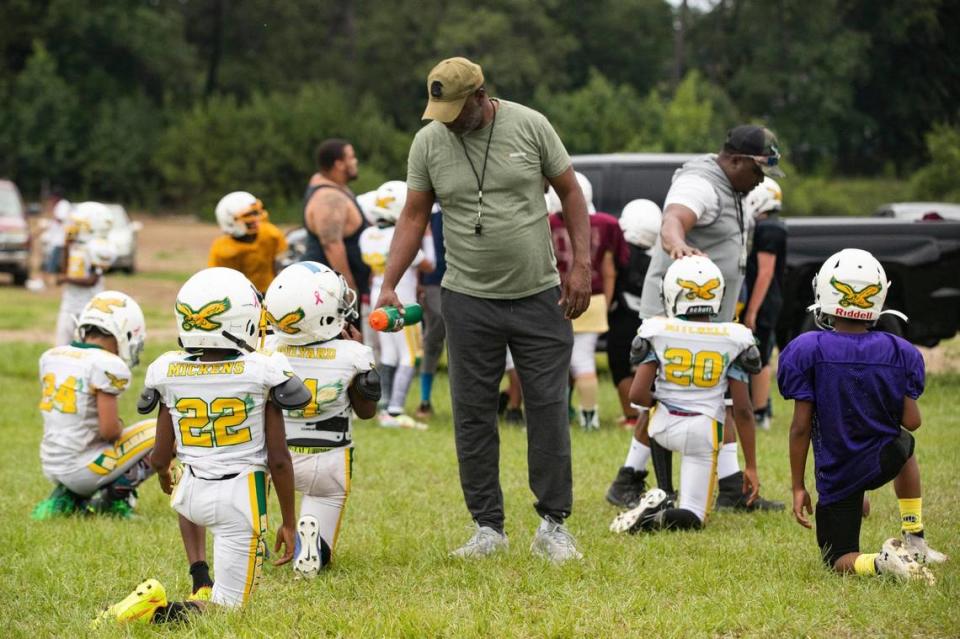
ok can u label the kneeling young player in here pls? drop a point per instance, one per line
(855, 393)
(309, 306)
(95, 462)
(693, 361)
(220, 406)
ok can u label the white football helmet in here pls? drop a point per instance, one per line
(102, 253)
(587, 189)
(90, 220)
(309, 302)
(119, 315)
(553, 201)
(692, 285)
(391, 196)
(235, 210)
(765, 197)
(640, 222)
(218, 308)
(367, 201)
(851, 284)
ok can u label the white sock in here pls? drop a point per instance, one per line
(638, 456)
(727, 462)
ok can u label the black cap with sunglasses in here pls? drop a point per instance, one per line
(756, 142)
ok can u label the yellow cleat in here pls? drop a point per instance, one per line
(138, 607)
(202, 594)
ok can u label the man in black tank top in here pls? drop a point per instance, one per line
(332, 216)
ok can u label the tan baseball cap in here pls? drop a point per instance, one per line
(448, 86)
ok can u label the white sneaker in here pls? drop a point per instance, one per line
(386, 420)
(895, 559)
(554, 542)
(485, 541)
(405, 421)
(589, 419)
(306, 560)
(652, 501)
(920, 551)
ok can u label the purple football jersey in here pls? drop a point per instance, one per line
(856, 382)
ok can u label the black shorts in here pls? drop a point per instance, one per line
(623, 328)
(838, 524)
(765, 342)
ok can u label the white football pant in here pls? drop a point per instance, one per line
(107, 465)
(324, 481)
(583, 359)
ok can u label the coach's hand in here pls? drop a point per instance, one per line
(802, 507)
(388, 297)
(576, 292)
(285, 537)
(684, 250)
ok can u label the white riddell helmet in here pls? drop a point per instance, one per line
(90, 220)
(309, 302)
(367, 201)
(553, 201)
(218, 308)
(235, 210)
(766, 196)
(119, 315)
(851, 284)
(692, 285)
(102, 253)
(391, 196)
(640, 222)
(587, 189)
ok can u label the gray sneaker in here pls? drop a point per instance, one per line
(485, 541)
(554, 542)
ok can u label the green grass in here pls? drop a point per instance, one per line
(745, 575)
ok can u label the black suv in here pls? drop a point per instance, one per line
(617, 178)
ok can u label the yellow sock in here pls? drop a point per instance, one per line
(866, 564)
(910, 515)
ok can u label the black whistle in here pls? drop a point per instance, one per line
(477, 229)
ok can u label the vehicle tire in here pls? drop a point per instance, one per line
(20, 278)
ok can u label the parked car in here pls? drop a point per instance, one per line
(617, 178)
(123, 237)
(919, 210)
(14, 234)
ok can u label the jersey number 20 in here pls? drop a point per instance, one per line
(703, 368)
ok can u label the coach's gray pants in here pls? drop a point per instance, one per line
(478, 333)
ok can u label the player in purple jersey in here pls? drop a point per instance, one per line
(855, 393)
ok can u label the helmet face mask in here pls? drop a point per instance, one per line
(218, 308)
(390, 200)
(692, 286)
(239, 213)
(309, 302)
(116, 314)
(851, 284)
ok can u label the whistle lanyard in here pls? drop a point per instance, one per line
(478, 225)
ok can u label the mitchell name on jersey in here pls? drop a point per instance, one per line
(218, 408)
(327, 369)
(695, 360)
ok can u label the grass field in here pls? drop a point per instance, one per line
(745, 575)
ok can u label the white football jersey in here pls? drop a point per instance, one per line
(70, 377)
(86, 258)
(218, 408)
(375, 249)
(695, 360)
(327, 369)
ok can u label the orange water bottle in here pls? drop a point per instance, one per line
(389, 319)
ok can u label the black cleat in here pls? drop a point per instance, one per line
(627, 489)
(730, 497)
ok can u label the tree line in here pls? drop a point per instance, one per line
(170, 103)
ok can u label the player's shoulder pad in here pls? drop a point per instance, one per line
(741, 333)
(291, 394)
(640, 347)
(652, 326)
(148, 400)
(749, 360)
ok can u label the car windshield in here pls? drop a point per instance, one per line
(10, 205)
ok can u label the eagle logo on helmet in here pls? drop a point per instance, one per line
(852, 297)
(384, 202)
(201, 319)
(288, 323)
(120, 383)
(698, 291)
(107, 304)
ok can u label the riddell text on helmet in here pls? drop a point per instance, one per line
(861, 315)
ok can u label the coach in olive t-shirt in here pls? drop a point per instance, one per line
(513, 255)
(486, 162)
